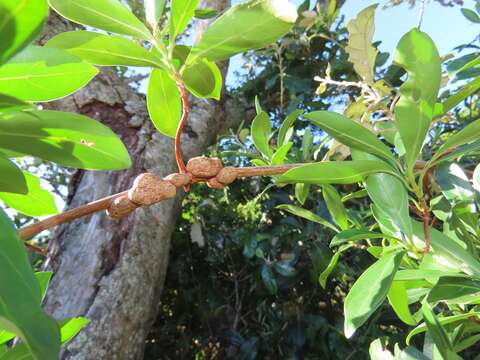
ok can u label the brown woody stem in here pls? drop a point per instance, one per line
(183, 120)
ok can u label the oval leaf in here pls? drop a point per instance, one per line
(203, 79)
(65, 138)
(250, 25)
(369, 291)
(42, 74)
(100, 49)
(108, 15)
(164, 102)
(260, 131)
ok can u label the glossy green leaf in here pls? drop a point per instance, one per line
(203, 79)
(101, 49)
(450, 250)
(9, 104)
(452, 287)
(20, 23)
(398, 298)
(36, 202)
(436, 331)
(304, 213)
(353, 235)
(370, 291)
(181, 12)
(468, 134)
(360, 50)
(205, 13)
(454, 183)
(71, 327)
(44, 74)
(335, 172)
(153, 11)
(164, 102)
(20, 296)
(287, 124)
(280, 154)
(249, 25)
(349, 133)
(417, 54)
(411, 353)
(307, 144)
(444, 321)
(260, 131)
(335, 206)
(65, 138)
(12, 179)
(460, 95)
(378, 350)
(108, 15)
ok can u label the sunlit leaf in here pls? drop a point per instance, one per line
(436, 331)
(203, 79)
(398, 298)
(335, 206)
(287, 124)
(153, 11)
(108, 15)
(65, 138)
(181, 12)
(360, 50)
(260, 131)
(20, 22)
(101, 49)
(44, 74)
(249, 25)
(163, 102)
(306, 214)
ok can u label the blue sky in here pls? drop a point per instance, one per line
(446, 25)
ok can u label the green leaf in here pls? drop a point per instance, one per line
(43, 278)
(335, 172)
(12, 179)
(205, 13)
(335, 206)
(101, 49)
(322, 279)
(44, 74)
(417, 54)
(470, 15)
(307, 144)
(279, 156)
(181, 12)
(108, 15)
(249, 25)
(378, 350)
(304, 213)
(36, 202)
(203, 79)
(436, 331)
(260, 131)
(350, 133)
(468, 134)
(353, 235)
(20, 310)
(454, 183)
(287, 124)
(453, 287)
(369, 291)
(153, 11)
(164, 102)
(258, 106)
(360, 50)
(444, 321)
(65, 138)
(71, 327)
(450, 250)
(20, 23)
(460, 95)
(411, 353)
(8, 104)
(301, 192)
(398, 298)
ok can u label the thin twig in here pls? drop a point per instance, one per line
(183, 120)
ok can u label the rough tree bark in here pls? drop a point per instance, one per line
(112, 272)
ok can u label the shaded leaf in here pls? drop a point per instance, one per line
(335, 206)
(260, 131)
(304, 213)
(12, 179)
(453, 287)
(203, 79)
(282, 137)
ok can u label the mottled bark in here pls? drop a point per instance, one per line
(112, 272)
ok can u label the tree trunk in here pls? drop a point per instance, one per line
(112, 272)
